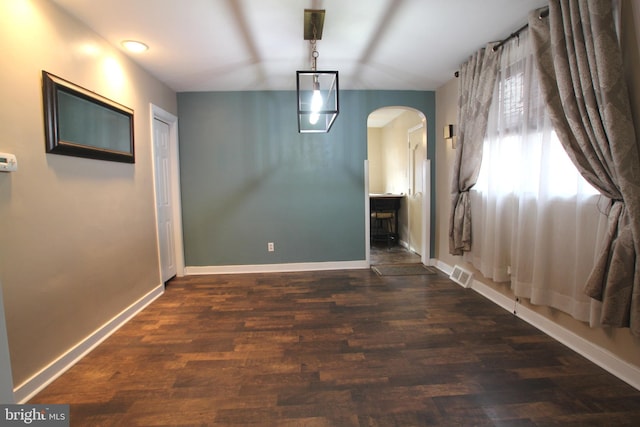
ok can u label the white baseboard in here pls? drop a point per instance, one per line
(602, 357)
(33, 385)
(608, 361)
(276, 268)
(445, 268)
(596, 354)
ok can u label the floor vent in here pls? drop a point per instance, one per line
(461, 276)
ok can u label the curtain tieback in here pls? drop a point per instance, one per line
(606, 210)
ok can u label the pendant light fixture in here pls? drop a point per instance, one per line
(317, 91)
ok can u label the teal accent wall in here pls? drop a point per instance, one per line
(248, 177)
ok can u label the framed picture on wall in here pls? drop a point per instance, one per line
(82, 123)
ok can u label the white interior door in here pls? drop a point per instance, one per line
(415, 198)
(163, 179)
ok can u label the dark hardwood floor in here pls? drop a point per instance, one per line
(335, 348)
(396, 254)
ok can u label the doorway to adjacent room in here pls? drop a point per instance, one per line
(397, 167)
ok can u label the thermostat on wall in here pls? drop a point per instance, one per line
(8, 162)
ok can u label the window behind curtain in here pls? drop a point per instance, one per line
(535, 219)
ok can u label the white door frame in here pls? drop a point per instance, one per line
(412, 181)
(367, 218)
(426, 211)
(174, 166)
(425, 257)
(425, 250)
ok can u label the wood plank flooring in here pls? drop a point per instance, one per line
(382, 254)
(335, 348)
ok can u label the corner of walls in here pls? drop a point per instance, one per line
(446, 113)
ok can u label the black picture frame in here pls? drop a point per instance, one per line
(82, 123)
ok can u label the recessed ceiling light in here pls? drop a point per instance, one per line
(134, 46)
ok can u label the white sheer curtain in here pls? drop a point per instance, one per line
(536, 220)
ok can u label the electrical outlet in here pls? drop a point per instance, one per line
(270, 247)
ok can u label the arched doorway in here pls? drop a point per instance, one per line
(397, 167)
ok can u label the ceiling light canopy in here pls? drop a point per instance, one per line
(317, 91)
(134, 46)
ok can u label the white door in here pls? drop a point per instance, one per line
(162, 172)
(415, 199)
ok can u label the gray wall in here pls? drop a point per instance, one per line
(82, 232)
(248, 177)
(6, 382)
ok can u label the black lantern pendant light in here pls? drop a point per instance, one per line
(317, 91)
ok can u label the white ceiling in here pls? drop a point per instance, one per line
(221, 45)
